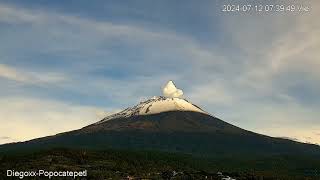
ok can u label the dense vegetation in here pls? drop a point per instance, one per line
(119, 164)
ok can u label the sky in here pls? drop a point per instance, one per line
(67, 64)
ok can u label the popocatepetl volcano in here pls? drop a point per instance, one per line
(169, 123)
(167, 113)
(161, 114)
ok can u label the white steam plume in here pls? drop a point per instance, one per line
(171, 91)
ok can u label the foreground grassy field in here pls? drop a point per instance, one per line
(114, 164)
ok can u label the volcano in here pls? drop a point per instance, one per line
(162, 114)
(169, 123)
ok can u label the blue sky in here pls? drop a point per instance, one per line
(66, 64)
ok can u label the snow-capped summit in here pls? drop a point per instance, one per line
(171, 101)
(156, 105)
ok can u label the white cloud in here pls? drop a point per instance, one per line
(27, 118)
(170, 90)
(54, 29)
(11, 73)
(16, 15)
(278, 45)
(12, 15)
